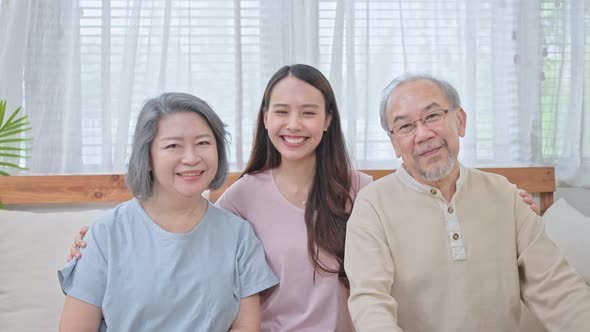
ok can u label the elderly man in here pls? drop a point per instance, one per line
(438, 246)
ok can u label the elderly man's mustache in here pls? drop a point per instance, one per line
(429, 146)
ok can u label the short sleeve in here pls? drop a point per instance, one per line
(253, 274)
(361, 180)
(86, 279)
(228, 199)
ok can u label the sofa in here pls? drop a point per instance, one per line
(33, 245)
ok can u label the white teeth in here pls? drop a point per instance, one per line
(190, 173)
(294, 140)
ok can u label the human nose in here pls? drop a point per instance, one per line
(422, 131)
(190, 156)
(293, 122)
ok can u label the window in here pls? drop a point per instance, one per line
(522, 70)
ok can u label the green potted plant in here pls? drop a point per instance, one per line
(10, 133)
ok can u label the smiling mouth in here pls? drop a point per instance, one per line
(429, 149)
(190, 174)
(293, 140)
(429, 152)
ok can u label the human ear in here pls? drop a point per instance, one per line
(328, 121)
(461, 121)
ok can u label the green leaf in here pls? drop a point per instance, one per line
(12, 155)
(14, 126)
(11, 129)
(12, 165)
(10, 148)
(13, 115)
(14, 132)
(2, 110)
(14, 140)
(19, 120)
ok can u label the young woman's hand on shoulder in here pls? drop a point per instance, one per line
(78, 243)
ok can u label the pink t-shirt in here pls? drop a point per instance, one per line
(297, 303)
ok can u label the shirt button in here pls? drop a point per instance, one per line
(433, 191)
(450, 209)
(455, 236)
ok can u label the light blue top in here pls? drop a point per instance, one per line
(147, 279)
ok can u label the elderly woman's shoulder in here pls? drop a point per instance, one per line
(122, 211)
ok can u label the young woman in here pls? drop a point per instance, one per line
(168, 260)
(297, 192)
(305, 186)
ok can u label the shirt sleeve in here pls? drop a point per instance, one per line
(228, 199)
(360, 180)
(86, 279)
(551, 289)
(253, 274)
(370, 269)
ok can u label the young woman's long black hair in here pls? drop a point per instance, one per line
(329, 202)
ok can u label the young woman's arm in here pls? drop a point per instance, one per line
(248, 318)
(79, 316)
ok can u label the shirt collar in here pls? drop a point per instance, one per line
(412, 183)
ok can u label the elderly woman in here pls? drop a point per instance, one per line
(168, 260)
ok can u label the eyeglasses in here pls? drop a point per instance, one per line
(429, 119)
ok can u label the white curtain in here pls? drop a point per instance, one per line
(82, 68)
(13, 43)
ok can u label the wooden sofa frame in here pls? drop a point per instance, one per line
(111, 188)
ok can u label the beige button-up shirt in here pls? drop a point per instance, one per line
(419, 263)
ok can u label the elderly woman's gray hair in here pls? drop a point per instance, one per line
(448, 90)
(139, 176)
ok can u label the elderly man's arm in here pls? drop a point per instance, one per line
(369, 266)
(551, 289)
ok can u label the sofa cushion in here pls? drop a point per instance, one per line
(570, 230)
(32, 247)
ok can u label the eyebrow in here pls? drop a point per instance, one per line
(288, 106)
(310, 106)
(178, 138)
(424, 110)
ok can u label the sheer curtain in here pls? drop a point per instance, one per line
(82, 69)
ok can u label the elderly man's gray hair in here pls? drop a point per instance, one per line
(139, 176)
(448, 90)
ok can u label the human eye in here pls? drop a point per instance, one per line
(309, 113)
(280, 111)
(433, 116)
(206, 142)
(171, 146)
(405, 128)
